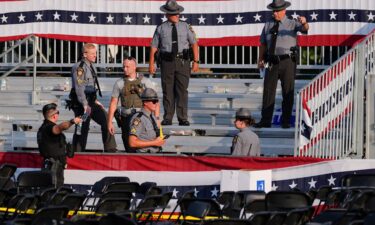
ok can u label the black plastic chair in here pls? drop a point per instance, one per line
(113, 205)
(297, 216)
(199, 208)
(73, 201)
(6, 173)
(34, 181)
(336, 217)
(260, 218)
(286, 200)
(358, 180)
(225, 198)
(186, 195)
(322, 197)
(146, 207)
(240, 200)
(227, 222)
(163, 203)
(98, 187)
(50, 212)
(21, 203)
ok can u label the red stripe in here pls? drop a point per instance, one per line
(312, 40)
(158, 163)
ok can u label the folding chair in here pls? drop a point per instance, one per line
(199, 208)
(34, 181)
(186, 195)
(260, 218)
(6, 173)
(113, 205)
(20, 203)
(113, 219)
(286, 200)
(225, 198)
(73, 202)
(163, 203)
(322, 197)
(50, 212)
(358, 180)
(242, 198)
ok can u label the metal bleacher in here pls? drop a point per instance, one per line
(212, 105)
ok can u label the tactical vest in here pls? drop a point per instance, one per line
(132, 93)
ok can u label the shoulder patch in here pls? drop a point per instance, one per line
(80, 72)
(234, 141)
(191, 28)
(136, 122)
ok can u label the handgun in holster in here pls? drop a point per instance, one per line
(294, 55)
(117, 116)
(157, 57)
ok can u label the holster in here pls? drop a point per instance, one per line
(117, 116)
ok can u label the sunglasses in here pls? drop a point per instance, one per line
(57, 112)
(153, 101)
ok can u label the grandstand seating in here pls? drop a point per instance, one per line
(212, 105)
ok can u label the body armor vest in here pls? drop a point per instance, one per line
(132, 93)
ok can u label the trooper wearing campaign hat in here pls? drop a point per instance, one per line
(144, 134)
(246, 142)
(277, 53)
(173, 42)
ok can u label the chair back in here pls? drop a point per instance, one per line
(358, 180)
(34, 181)
(286, 200)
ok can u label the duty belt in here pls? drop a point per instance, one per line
(275, 59)
(129, 111)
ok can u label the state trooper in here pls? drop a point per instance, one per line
(246, 142)
(144, 131)
(84, 102)
(128, 89)
(172, 40)
(278, 49)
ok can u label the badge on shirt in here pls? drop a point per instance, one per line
(133, 131)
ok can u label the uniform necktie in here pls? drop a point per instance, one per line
(95, 79)
(174, 40)
(274, 31)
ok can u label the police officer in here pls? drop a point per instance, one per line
(173, 39)
(144, 132)
(246, 142)
(129, 90)
(85, 103)
(52, 143)
(278, 41)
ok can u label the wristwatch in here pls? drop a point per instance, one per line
(197, 61)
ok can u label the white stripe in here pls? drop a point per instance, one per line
(147, 31)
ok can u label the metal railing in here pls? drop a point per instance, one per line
(330, 110)
(63, 54)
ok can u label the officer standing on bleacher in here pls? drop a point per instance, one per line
(172, 40)
(246, 142)
(128, 89)
(84, 101)
(144, 131)
(278, 51)
(52, 143)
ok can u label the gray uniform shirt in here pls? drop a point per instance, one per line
(118, 87)
(163, 36)
(246, 143)
(286, 38)
(143, 129)
(82, 81)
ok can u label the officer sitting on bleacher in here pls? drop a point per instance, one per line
(144, 131)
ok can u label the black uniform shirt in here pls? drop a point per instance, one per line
(50, 145)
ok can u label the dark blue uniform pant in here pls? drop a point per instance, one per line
(285, 70)
(56, 167)
(125, 129)
(175, 77)
(99, 115)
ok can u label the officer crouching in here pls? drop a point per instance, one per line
(52, 143)
(144, 132)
